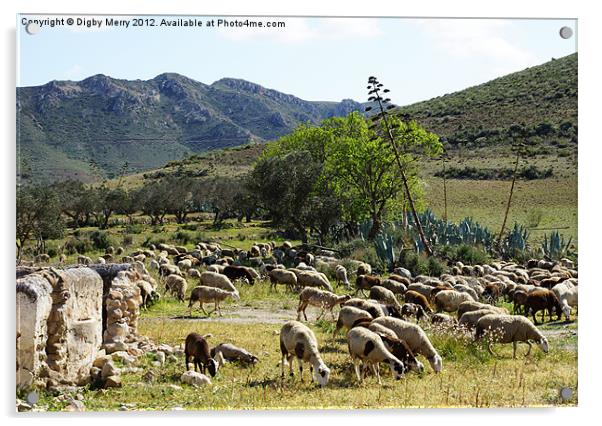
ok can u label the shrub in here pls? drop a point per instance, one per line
(101, 240)
(465, 253)
(190, 226)
(153, 241)
(534, 218)
(134, 229)
(127, 240)
(76, 245)
(182, 237)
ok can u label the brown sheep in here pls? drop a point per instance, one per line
(365, 282)
(492, 292)
(400, 279)
(540, 300)
(417, 298)
(519, 298)
(437, 289)
(197, 347)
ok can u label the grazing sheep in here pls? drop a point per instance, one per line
(365, 282)
(313, 279)
(320, 298)
(204, 294)
(101, 260)
(176, 285)
(196, 346)
(541, 300)
(232, 353)
(213, 279)
(367, 347)
(119, 251)
(397, 347)
(418, 299)
(466, 289)
(218, 269)
(374, 308)
(238, 272)
(412, 310)
(395, 286)
(154, 265)
(492, 292)
(185, 264)
(364, 269)
(341, 276)
(403, 272)
(567, 294)
(470, 319)
(282, 276)
(519, 298)
(383, 295)
(166, 269)
(510, 329)
(84, 260)
(416, 339)
(350, 315)
(444, 320)
(194, 273)
(402, 280)
(449, 300)
(423, 289)
(297, 340)
(147, 292)
(474, 306)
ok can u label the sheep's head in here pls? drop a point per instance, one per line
(436, 363)
(397, 368)
(543, 345)
(321, 374)
(566, 310)
(235, 296)
(212, 367)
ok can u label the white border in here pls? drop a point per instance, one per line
(589, 188)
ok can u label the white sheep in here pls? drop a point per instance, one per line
(466, 289)
(154, 265)
(423, 289)
(395, 286)
(185, 264)
(374, 308)
(101, 260)
(297, 340)
(475, 306)
(403, 272)
(176, 285)
(470, 319)
(204, 294)
(320, 298)
(213, 279)
(449, 300)
(510, 329)
(218, 269)
(416, 339)
(350, 315)
(567, 294)
(384, 295)
(282, 276)
(367, 347)
(341, 276)
(194, 273)
(313, 279)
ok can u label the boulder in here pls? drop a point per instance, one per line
(195, 379)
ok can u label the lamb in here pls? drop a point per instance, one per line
(231, 353)
(418, 299)
(176, 285)
(519, 298)
(282, 276)
(449, 300)
(395, 286)
(567, 294)
(341, 276)
(313, 279)
(320, 298)
(474, 306)
(185, 264)
(492, 292)
(194, 273)
(196, 346)
(204, 294)
(297, 340)
(383, 295)
(350, 315)
(213, 279)
(367, 347)
(365, 282)
(541, 300)
(510, 329)
(470, 319)
(238, 272)
(416, 339)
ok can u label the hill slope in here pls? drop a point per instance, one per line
(92, 128)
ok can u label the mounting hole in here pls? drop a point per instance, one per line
(566, 32)
(566, 393)
(32, 28)
(33, 398)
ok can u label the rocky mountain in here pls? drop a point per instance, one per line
(100, 127)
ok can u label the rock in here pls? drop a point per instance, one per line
(175, 387)
(113, 382)
(172, 358)
(160, 357)
(195, 379)
(115, 347)
(165, 348)
(23, 406)
(100, 361)
(75, 405)
(116, 295)
(135, 352)
(149, 376)
(108, 370)
(130, 370)
(95, 373)
(156, 364)
(79, 397)
(124, 357)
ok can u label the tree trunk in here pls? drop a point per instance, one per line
(375, 229)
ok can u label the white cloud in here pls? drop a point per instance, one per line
(298, 30)
(485, 40)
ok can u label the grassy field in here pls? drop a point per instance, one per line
(471, 377)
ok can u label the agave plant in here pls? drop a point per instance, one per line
(384, 243)
(515, 241)
(555, 248)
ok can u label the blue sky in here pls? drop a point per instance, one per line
(312, 58)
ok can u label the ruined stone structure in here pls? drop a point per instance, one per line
(65, 316)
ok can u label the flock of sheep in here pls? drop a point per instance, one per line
(386, 324)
